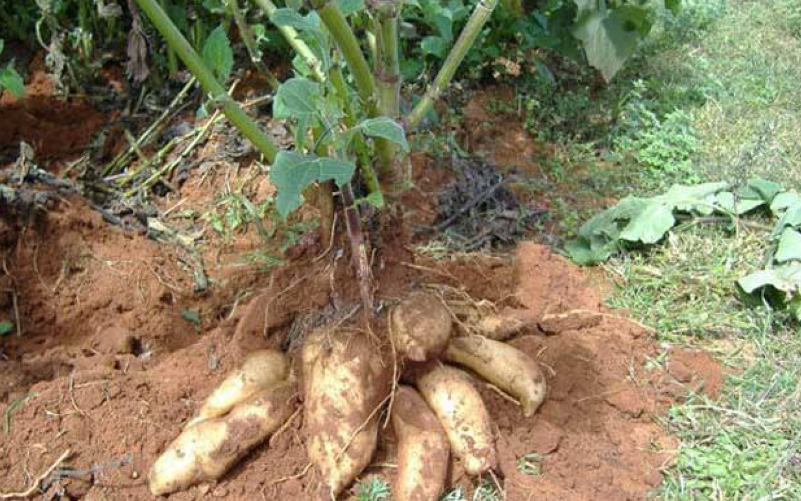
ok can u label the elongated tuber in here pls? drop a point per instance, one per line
(260, 370)
(423, 449)
(208, 449)
(505, 366)
(462, 413)
(345, 382)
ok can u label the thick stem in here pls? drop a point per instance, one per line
(294, 41)
(365, 167)
(250, 42)
(388, 82)
(467, 38)
(387, 69)
(206, 78)
(361, 261)
(348, 46)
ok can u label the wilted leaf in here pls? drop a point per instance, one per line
(778, 286)
(293, 172)
(217, 54)
(790, 219)
(386, 128)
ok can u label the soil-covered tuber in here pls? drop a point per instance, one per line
(208, 449)
(505, 366)
(345, 381)
(260, 370)
(462, 413)
(420, 327)
(423, 450)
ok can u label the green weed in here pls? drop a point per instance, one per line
(374, 489)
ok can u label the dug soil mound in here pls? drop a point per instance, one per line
(112, 361)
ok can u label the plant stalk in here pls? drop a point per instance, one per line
(192, 60)
(250, 42)
(294, 41)
(359, 251)
(467, 38)
(348, 46)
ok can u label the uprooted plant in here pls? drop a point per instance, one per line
(349, 153)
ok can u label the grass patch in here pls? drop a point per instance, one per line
(712, 96)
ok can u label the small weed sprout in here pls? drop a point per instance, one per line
(374, 489)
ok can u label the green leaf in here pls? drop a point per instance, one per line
(790, 219)
(217, 54)
(784, 201)
(6, 326)
(673, 6)
(11, 80)
(789, 248)
(609, 36)
(349, 7)
(759, 188)
(297, 96)
(2, 46)
(294, 19)
(293, 172)
(435, 46)
(778, 286)
(386, 128)
(651, 225)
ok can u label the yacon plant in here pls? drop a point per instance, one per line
(344, 107)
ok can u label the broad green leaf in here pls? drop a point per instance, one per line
(789, 248)
(790, 219)
(12, 81)
(294, 19)
(298, 96)
(386, 128)
(651, 225)
(778, 286)
(784, 278)
(435, 46)
(349, 7)
(293, 172)
(217, 54)
(727, 203)
(605, 43)
(784, 201)
(6, 326)
(762, 189)
(584, 253)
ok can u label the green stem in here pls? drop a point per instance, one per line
(250, 42)
(294, 41)
(387, 70)
(365, 167)
(346, 41)
(206, 78)
(172, 61)
(348, 46)
(467, 38)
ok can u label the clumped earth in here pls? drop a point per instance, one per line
(117, 349)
